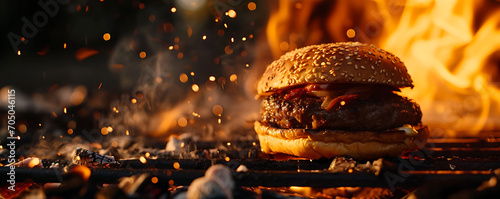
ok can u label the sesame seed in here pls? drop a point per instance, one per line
(356, 66)
(342, 74)
(370, 52)
(363, 67)
(373, 67)
(334, 57)
(351, 75)
(358, 58)
(349, 63)
(347, 57)
(359, 74)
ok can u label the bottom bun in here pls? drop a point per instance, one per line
(331, 143)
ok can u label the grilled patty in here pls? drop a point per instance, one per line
(373, 113)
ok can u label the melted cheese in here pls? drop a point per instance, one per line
(409, 130)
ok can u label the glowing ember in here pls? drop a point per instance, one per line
(70, 131)
(133, 100)
(154, 180)
(64, 45)
(142, 54)
(173, 10)
(34, 162)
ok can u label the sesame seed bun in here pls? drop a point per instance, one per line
(347, 62)
(361, 145)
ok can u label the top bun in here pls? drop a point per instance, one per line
(346, 62)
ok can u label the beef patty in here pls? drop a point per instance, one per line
(377, 112)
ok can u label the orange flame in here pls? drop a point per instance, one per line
(449, 47)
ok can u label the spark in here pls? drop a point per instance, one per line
(154, 180)
(65, 110)
(147, 154)
(133, 100)
(195, 87)
(104, 131)
(228, 144)
(227, 159)
(219, 121)
(225, 25)
(192, 74)
(173, 9)
(64, 45)
(182, 122)
(143, 160)
(99, 86)
(204, 37)
(211, 78)
(217, 110)
(243, 39)
(351, 33)
(233, 77)
(142, 54)
(18, 52)
(247, 65)
(40, 124)
(231, 13)
(232, 39)
(183, 78)
(106, 36)
(23, 128)
(252, 6)
(177, 165)
(127, 132)
(171, 47)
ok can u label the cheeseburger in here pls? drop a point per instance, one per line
(338, 99)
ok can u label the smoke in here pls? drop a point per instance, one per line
(193, 78)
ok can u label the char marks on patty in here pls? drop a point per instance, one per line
(378, 112)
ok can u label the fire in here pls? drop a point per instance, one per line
(449, 47)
